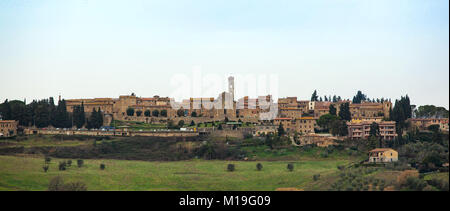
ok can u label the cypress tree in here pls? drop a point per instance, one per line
(280, 130)
(5, 110)
(79, 117)
(62, 118)
(332, 110)
(94, 118)
(52, 112)
(344, 112)
(314, 96)
(99, 118)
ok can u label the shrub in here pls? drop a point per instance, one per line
(80, 163)
(69, 163)
(381, 187)
(415, 184)
(290, 167)
(401, 179)
(102, 166)
(316, 177)
(181, 123)
(57, 184)
(428, 188)
(439, 184)
(230, 167)
(248, 136)
(62, 166)
(259, 166)
(48, 159)
(341, 167)
(75, 186)
(45, 167)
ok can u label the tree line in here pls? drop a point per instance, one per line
(358, 98)
(156, 113)
(44, 113)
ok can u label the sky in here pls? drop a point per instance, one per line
(107, 48)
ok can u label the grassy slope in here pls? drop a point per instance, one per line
(25, 173)
(44, 141)
(263, 152)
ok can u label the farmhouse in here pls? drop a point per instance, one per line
(8, 128)
(383, 155)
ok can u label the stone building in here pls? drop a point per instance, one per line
(287, 123)
(290, 112)
(106, 105)
(321, 108)
(117, 107)
(306, 125)
(366, 109)
(290, 107)
(253, 107)
(303, 105)
(303, 125)
(8, 128)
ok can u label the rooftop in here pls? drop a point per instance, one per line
(7, 121)
(382, 150)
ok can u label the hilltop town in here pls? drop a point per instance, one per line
(257, 116)
(338, 139)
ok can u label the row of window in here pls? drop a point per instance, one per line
(7, 125)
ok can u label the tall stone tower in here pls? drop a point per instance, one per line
(231, 87)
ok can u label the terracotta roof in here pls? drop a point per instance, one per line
(306, 118)
(150, 98)
(12, 121)
(290, 108)
(283, 118)
(381, 150)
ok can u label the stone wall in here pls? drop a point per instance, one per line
(187, 120)
(112, 133)
(321, 141)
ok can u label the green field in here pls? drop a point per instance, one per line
(25, 173)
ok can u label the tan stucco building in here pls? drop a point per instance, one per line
(383, 155)
(8, 128)
(361, 130)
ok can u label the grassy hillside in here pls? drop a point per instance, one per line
(46, 141)
(25, 173)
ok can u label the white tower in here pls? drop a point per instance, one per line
(231, 87)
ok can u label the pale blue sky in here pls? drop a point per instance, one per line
(105, 48)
